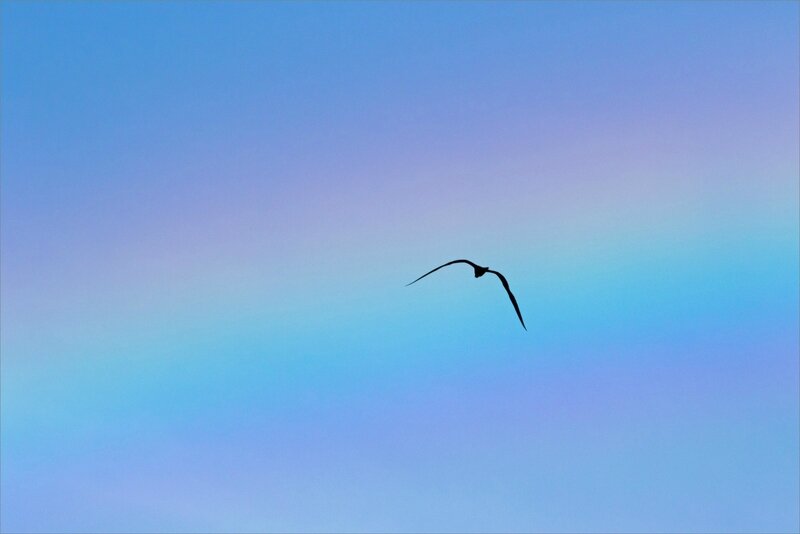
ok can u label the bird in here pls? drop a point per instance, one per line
(480, 271)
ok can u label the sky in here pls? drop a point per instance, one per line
(210, 211)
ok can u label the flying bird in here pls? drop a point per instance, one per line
(480, 271)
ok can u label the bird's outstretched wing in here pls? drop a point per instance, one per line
(510, 295)
(439, 267)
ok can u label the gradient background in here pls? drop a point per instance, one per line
(210, 210)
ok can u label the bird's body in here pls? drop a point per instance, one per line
(480, 271)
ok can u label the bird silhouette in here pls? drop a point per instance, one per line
(480, 271)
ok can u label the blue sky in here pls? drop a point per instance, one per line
(210, 210)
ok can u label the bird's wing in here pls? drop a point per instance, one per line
(439, 267)
(510, 295)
